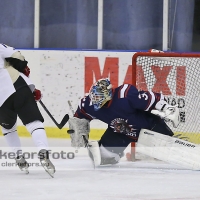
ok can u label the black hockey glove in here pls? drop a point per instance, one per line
(19, 65)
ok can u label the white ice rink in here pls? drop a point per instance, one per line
(76, 179)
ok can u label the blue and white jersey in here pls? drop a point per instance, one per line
(127, 113)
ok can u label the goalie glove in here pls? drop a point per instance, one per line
(167, 112)
(80, 127)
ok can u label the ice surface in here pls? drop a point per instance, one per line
(76, 179)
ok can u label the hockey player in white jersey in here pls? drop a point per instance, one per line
(18, 97)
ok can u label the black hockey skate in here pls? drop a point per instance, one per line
(46, 163)
(22, 164)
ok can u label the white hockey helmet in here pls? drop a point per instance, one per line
(100, 93)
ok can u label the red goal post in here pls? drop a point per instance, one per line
(177, 76)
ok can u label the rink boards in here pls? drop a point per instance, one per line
(95, 134)
(67, 75)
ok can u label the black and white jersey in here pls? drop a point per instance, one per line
(8, 75)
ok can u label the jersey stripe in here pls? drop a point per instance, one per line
(82, 103)
(127, 90)
(86, 114)
(123, 91)
(152, 97)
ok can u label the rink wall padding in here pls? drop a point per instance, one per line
(67, 75)
(53, 132)
(95, 134)
(64, 76)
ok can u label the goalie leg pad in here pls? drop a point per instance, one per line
(163, 128)
(169, 149)
(81, 127)
(108, 157)
(100, 155)
(94, 152)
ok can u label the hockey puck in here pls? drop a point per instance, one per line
(70, 131)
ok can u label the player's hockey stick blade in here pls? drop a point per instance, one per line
(62, 123)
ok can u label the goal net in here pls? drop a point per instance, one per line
(177, 77)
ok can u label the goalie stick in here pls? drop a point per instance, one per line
(62, 123)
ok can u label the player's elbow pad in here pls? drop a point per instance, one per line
(19, 65)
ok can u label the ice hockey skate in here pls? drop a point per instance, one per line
(22, 164)
(46, 163)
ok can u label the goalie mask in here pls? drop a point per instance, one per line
(100, 93)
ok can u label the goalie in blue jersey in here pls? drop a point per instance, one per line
(126, 111)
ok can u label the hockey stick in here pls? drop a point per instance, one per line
(62, 123)
(71, 108)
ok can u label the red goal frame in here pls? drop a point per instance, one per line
(131, 156)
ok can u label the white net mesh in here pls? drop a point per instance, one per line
(177, 77)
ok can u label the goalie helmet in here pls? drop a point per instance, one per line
(100, 93)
